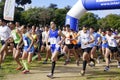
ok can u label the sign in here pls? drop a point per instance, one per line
(9, 10)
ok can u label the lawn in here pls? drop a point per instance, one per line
(69, 72)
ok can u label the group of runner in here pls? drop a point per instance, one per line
(27, 42)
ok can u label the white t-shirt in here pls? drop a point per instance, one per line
(111, 40)
(84, 38)
(5, 32)
(44, 36)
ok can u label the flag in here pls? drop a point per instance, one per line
(9, 9)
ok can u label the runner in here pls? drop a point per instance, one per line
(36, 41)
(104, 44)
(70, 42)
(17, 38)
(55, 45)
(112, 48)
(28, 48)
(4, 36)
(95, 45)
(44, 45)
(85, 38)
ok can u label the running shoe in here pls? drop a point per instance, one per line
(82, 73)
(118, 64)
(77, 62)
(25, 71)
(106, 68)
(45, 62)
(66, 62)
(50, 76)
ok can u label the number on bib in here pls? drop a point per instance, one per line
(53, 41)
(25, 43)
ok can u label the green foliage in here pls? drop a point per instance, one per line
(60, 16)
(89, 19)
(23, 2)
(112, 20)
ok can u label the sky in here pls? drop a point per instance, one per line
(64, 3)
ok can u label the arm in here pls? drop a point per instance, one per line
(62, 35)
(47, 39)
(21, 39)
(91, 41)
(32, 41)
(117, 37)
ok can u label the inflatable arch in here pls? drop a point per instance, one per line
(83, 6)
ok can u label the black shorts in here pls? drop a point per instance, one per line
(113, 49)
(15, 45)
(3, 42)
(36, 50)
(76, 46)
(44, 44)
(87, 50)
(70, 46)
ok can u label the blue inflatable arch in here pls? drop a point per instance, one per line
(83, 6)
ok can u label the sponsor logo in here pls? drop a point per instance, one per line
(105, 0)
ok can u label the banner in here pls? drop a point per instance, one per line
(9, 9)
(101, 4)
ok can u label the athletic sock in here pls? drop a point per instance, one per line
(53, 67)
(84, 65)
(34, 57)
(60, 55)
(25, 64)
(92, 60)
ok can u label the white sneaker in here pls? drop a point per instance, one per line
(98, 61)
(106, 68)
(118, 66)
(50, 76)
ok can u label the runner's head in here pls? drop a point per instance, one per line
(23, 28)
(109, 32)
(103, 32)
(92, 29)
(4, 22)
(11, 25)
(68, 27)
(46, 28)
(64, 28)
(33, 28)
(85, 28)
(52, 25)
(17, 24)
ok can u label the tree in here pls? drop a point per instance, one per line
(36, 16)
(60, 15)
(53, 6)
(89, 19)
(23, 2)
(68, 7)
(1, 8)
(112, 20)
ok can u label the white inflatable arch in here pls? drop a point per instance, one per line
(83, 6)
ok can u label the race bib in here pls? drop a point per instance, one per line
(14, 36)
(25, 43)
(53, 40)
(67, 41)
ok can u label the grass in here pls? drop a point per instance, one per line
(95, 73)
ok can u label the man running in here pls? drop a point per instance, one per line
(55, 45)
(85, 38)
(5, 32)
